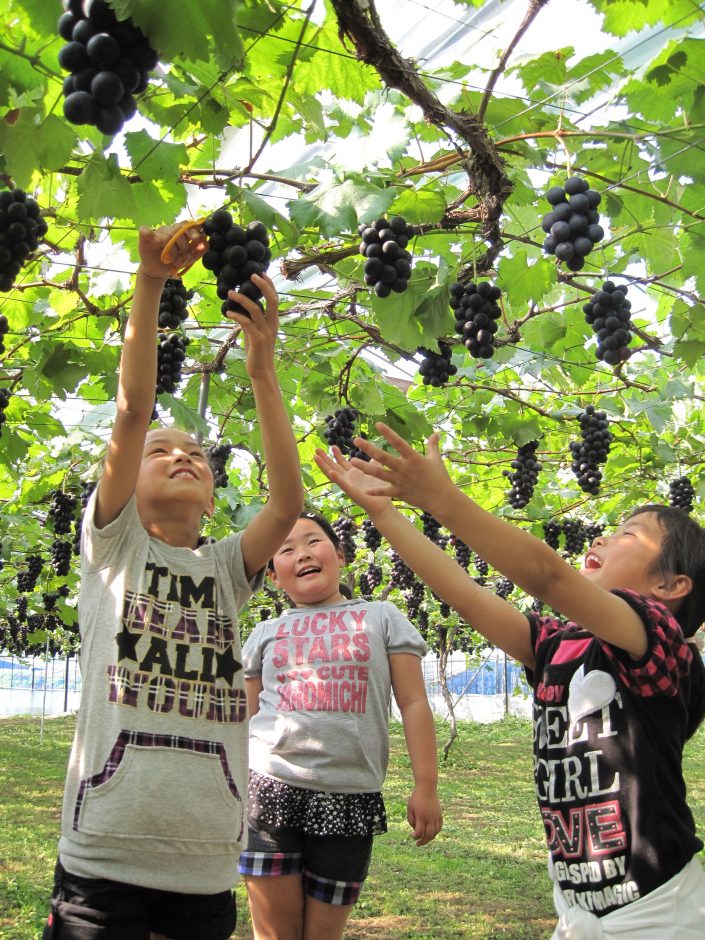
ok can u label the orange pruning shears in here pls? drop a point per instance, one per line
(166, 251)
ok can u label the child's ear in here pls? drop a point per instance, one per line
(676, 588)
(272, 575)
(210, 508)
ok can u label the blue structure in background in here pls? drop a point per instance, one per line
(487, 678)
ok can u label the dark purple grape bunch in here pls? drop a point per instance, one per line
(370, 579)
(234, 254)
(340, 429)
(62, 512)
(401, 576)
(171, 353)
(345, 530)
(482, 569)
(217, 456)
(109, 62)
(575, 538)
(414, 597)
(436, 367)
(609, 314)
(173, 304)
(85, 494)
(4, 328)
(591, 450)
(552, 534)
(61, 552)
(523, 475)
(388, 264)
(27, 578)
(681, 494)
(4, 402)
(21, 226)
(572, 226)
(593, 530)
(371, 535)
(461, 551)
(431, 526)
(503, 588)
(476, 311)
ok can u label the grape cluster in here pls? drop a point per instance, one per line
(444, 610)
(234, 254)
(370, 579)
(217, 456)
(462, 551)
(27, 578)
(609, 314)
(172, 304)
(62, 511)
(431, 526)
(572, 226)
(61, 556)
(414, 597)
(526, 470)
(436, 367)
(574, 532)
(593, 530)
(86, 490)
(401, 575)
(476, 315)
(109, 61)
(482, 568)
(503, 588)
(551, 534)
(340, 429)
(371, 535)
(4, 328)
(388, 264)
(4, 402)
(592, 450)
(21, 227)
(345, 531)
(22, 605)
(681, 494)
(171, 353)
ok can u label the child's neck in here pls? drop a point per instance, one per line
(179, 533)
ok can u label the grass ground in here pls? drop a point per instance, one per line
(484, 877)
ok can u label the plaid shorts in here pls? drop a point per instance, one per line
(344, 859)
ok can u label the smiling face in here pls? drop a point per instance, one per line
(307, 566)
(174, 470)
(628, 558)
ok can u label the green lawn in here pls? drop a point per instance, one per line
(483, 877)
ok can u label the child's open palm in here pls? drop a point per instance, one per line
(259, 326)
(351, 480)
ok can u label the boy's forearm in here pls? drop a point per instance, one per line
(286, 496)
(138, 362)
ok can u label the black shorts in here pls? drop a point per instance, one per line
(99, 909)
(333, 868)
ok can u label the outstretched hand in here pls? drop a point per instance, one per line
(259, 326)
(417, 479)
(352, 481)
(187, 249)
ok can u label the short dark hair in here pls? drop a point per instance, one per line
(682, 552)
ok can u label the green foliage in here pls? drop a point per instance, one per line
(259, 108)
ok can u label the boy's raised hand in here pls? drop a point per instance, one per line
(260, 327)
(418, 479)
(351, 480)
(187, 249)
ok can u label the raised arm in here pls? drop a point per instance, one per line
(138, 368)
(273, 523)
(502, 624)
(423, 481)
